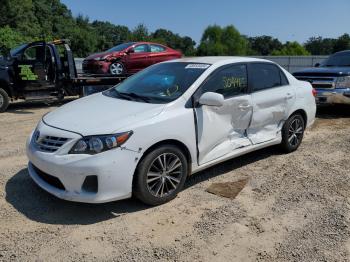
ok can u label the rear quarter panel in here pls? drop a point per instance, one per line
(304, 98)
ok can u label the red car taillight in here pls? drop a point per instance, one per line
(314, 92)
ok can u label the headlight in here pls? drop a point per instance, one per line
(97, 144)
(101, 58)
(343, 82)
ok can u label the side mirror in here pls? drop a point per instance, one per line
(317, 64)
(211, 99)
(130, 51)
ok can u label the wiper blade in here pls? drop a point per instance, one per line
(133, 95)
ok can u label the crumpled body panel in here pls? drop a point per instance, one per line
(222, 129)
(271, 108)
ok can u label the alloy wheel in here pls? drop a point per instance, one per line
(295, 132)
(164, 174)
(116, 69)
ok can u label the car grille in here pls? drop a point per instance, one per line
(318, 82)
(51, 180)
(49, 143)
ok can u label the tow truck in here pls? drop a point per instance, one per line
(44, 71)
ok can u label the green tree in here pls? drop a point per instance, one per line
(9, 38)
(166, 37)
(222, 41)
(19, 15)
(342, 43)
(83, 37)
(319, 45)
(110, 35)
(291, 49)
(140, 33)
(264, 45)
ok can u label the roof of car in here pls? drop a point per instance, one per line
(220, 59)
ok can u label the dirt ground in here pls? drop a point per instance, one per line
(294, 207)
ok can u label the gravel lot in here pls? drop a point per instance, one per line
(294, 207)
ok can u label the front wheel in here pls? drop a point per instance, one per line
(160, 175)
(4, 100)
(292, 133)
(117, 68)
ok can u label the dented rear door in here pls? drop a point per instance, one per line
(272, 98)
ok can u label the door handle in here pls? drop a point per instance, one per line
(289, 96)
(244, 106)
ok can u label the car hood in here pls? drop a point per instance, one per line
(102, 54)
(99, 114)
(327, 71)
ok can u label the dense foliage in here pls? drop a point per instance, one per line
(28, 20)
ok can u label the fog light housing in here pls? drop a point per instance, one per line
(90, 184)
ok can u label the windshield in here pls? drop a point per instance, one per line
(120, 47)
(17, 49)
(161, 83)
(340, 59)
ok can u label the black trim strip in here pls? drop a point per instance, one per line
(195, 128)
(60, 128)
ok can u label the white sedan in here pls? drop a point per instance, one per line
(145, 136)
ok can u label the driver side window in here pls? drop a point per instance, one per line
(229, 81)
(141, 49)
(34, 53)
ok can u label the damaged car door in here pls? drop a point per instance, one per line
(222, 128)
(272, 99)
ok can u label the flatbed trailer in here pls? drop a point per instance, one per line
(46, 70)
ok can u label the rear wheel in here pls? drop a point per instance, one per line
(292, 133)
(4, 100)
(160, 175)
(117, 68)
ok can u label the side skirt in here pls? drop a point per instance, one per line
(235, 153)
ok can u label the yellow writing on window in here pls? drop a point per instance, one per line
(233, 82)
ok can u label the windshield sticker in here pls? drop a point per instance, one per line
(197, 66)
(26, 73)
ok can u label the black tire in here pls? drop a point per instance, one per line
(117, 68)
(292, 133)
(150, 169)
(4, 100)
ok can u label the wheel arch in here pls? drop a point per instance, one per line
(303, 113)
(4, 85)
(173, 142)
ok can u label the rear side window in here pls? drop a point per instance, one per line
(157, 48)
(265, 76)
(229, 81)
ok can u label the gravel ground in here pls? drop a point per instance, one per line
(294, 207)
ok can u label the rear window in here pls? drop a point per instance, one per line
(339, 59)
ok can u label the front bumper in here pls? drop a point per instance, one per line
(333, 96)
(113, 169)
(95, 67)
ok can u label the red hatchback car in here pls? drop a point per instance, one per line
(128, 58)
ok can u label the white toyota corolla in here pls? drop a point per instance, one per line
(145, 136)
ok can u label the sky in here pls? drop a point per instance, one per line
(287, 20)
